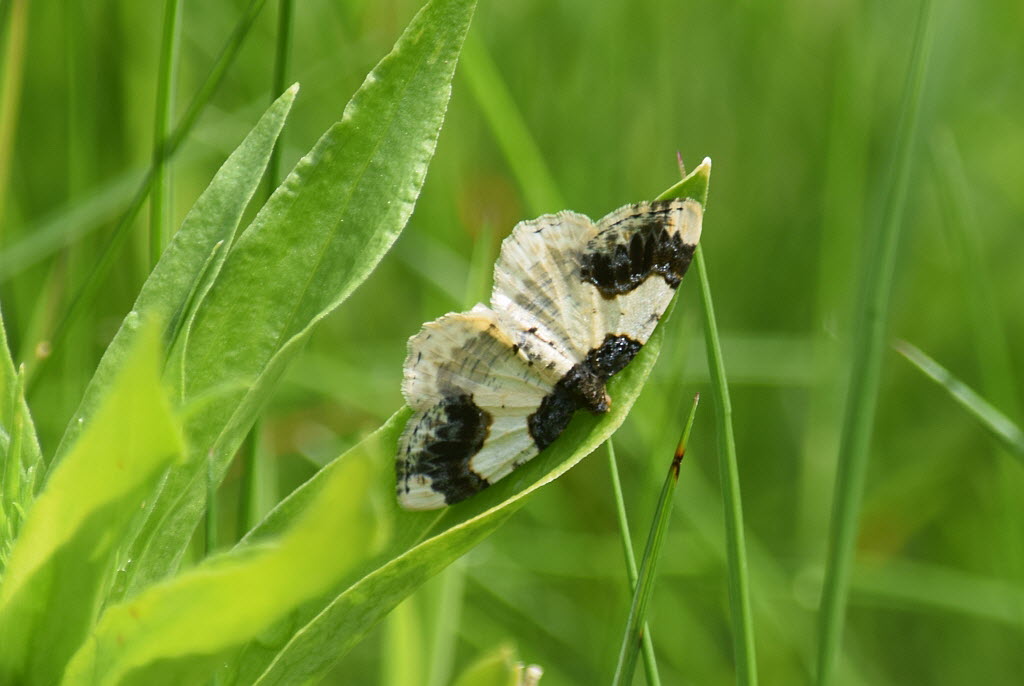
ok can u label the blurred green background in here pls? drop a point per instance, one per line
(796, 102)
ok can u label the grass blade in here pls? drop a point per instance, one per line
(632, 636)
(102, 266)
(13, 28)
(736, 555)
(161, 199)
(646, 639)
(277, 84)
(936, 589)
(997, 423)
(865, 373)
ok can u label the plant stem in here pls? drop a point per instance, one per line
(633, 635)
(736, 556)
(88, 291)
(647, 647)
(281, 56)
(865, 373)
(162, 197)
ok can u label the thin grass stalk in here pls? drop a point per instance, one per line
(735, 545)
(250, 482)
(14, 29)
(998, 424)
(277, 85)
(90, 288)
(865, 374)
(633, 634)
(161, 198)
(647, 641)
(847, 151)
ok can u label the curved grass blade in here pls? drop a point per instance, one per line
(647, 647)
(997, 423)
(318, 237)
(633, 635)
(66, 555)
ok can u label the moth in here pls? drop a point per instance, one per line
(573, 302)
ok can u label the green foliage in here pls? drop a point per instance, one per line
(237, 309)
(571, 105)
(63, 559)
(20, 457)
(319, 236)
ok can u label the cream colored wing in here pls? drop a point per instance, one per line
(563, 285)
(573, 302)
(474, 398)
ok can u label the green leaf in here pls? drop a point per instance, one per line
(65, 557)
(419, 544)
(211, 222)
(318, 237)
(694, 185)
(180, 630)
(21, 461)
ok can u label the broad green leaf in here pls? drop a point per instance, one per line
(21, 461)
(180, 630)
(66, 555)
(318, 237)
(420, 544)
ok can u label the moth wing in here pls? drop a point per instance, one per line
(473, 396)
(537, 289)
(565, 284)
(637, 260)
